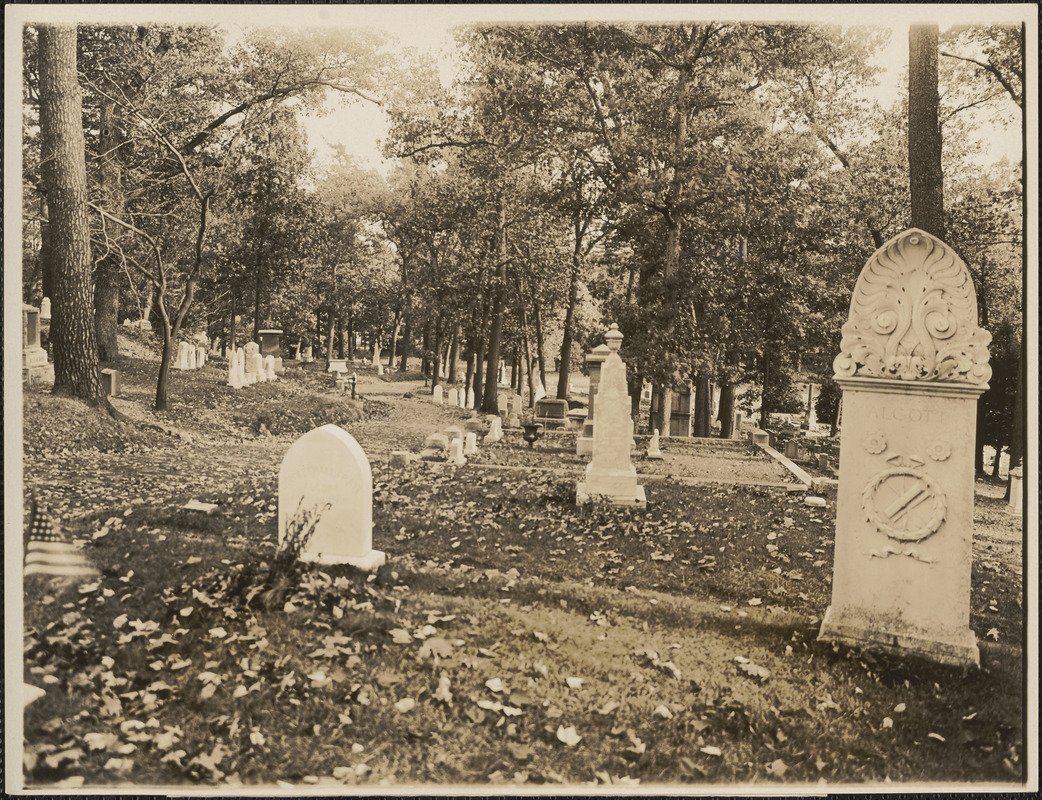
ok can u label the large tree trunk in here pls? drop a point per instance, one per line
(406, 334)
(541, 358)
(489, 400)
(702, 406)
(479, 357)
(450, 376)
(437, 365)
(926, 180)
(395, 329)
(564, 373)
(726, 414)
(73, 336)
(107, 271)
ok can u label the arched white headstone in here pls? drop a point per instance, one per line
(327, 472)
(912, 364)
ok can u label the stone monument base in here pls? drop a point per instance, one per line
(368, 563)
(635, 499)
(958, 649)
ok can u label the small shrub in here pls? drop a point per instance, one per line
(285, 567)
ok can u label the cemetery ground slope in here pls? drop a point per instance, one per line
(512, 638)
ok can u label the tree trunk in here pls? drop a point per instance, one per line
(541, 359)
(926, 180)
(480, 355)
(450, 377)
(425, 362)
(1016, 445)
(489, 401)
(73, 335)
(163, 380)
(564, 372)
(764, 389)
(107, 272)
(406, 336)
(726, 409)
(340, 337)
(330, 334)
(350, 334)
(702, 405)
(436, 366)
(393, 353)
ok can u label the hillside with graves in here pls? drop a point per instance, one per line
(650, 417)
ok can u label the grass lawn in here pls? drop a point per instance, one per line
(512, 639)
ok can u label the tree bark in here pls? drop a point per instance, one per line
(450, 377)
(726, 414)
(564, 372)
(926, 180)
(107, 271)
(541, 359)
(702, 405)
(64, 168)
(436, 366)
(393, 353)
(489, 401)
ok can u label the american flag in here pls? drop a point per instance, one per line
(49, 552)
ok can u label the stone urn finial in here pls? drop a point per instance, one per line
(614, 338)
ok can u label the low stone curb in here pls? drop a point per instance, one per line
(802, 476)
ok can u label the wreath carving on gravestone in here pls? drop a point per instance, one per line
(913, 316)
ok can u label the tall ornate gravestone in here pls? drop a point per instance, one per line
(912, 365)
(610, 475)
(35, 365)
(234, 377)
(271, 345)
(327, 473)
(596, 357)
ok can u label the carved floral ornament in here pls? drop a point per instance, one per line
(913, 316)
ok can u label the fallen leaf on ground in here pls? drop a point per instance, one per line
(568, 735)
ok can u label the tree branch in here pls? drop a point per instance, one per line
(994, 71)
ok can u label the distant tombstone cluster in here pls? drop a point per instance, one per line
(190, 356)
(246, 366)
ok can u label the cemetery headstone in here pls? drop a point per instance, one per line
(271, 345)
(823, 462)
(200, 356)
(454, 397)
(495, 429)
(34, 358)
(760, 437)
(438, 442)
(503, 404)
(470, 443)
(308, 356)
(736, 429)
(437, 395)
(911, 366)
(326, 472)
(45, 308)
(792, 449)
(234, 372)
(190, 352)
(470, 397)
(337, 365)
(654, 449)
(514, 411)
(1016, 490)
(610, 475)
(251, 350)
(110, 382)
(596, 357)
(551, 412)
(269, 368)
(456, 453)
(400, 459)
